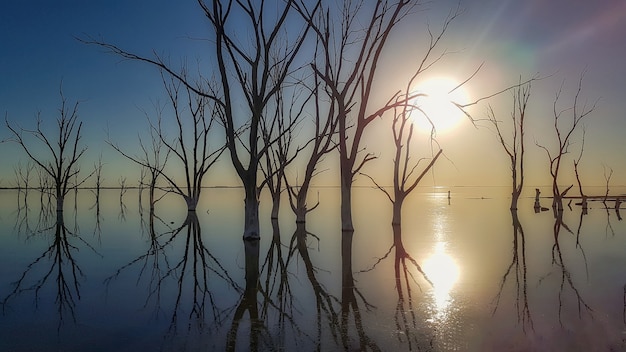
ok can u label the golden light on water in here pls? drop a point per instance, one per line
(443, 272)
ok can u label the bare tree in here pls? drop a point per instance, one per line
(405, 179)
(353, 42)
(123, 188)
(564, 138)
(22, 179)
(278, 134)
(190, 148)
(608, 173)
(514, 146)
(322, 143)
(62, 147)
(248, 74)
(97, 172)
(576, 163)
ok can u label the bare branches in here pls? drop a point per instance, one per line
(191, 147)
(563, 133)
(62, 149)
(514, 146)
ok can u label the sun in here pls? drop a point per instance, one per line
(436, 106)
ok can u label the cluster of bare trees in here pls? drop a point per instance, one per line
(306, 64)
(306, 61)
(565, 131)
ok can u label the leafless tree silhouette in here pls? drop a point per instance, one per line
(564, 137)
(251, 72)
(514, 146)
(22, 180)
(194, 117)
(62, 147)
(278, 133)
(97, 172)
(353, 41)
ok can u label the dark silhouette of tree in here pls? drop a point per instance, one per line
(321, 144)
(22, 180)
(583, 196)
(55, 152)
(277, 130)
(564, 133)
(97, 173)
(248, 74)
(353, 41)
(515, 146)
(194, 117)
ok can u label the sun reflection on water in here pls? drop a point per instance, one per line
(443, 272)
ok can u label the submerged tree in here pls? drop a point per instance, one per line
(248, 74)
(321, 143)
(354, 41)
(55, 152)
(514, 146)
(193, 117)
(564, 135)
(278, 134)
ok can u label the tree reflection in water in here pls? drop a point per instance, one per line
(326, 313)
(519, 268)
(408, 324)
(350, 303)
(191, 274)
(249, 301)
(56, 269)
(566, 277)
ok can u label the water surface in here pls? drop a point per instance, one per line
(460, 274)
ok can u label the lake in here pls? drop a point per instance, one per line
(461, 274)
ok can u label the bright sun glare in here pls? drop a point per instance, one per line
(437, 105)
(443, 272)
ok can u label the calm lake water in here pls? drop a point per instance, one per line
(463, 274)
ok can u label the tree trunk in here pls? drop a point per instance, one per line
(514, 198)
(275, 205)
(300, 213)
(192, 203)
(60, 199)
(301, 208)
(346, 203)
(151, 191)
(251, 229)
(397, 212)
(347, 280)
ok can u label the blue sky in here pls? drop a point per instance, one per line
(513, 38)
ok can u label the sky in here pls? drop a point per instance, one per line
(557, 40)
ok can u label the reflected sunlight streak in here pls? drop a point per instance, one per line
(443, 271)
